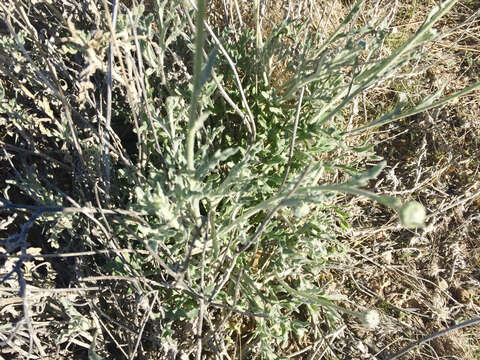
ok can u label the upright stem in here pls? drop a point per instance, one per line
(197, 68)
(194, 116)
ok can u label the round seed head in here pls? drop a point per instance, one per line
(302, 210)
(412, 214)
(371, 319)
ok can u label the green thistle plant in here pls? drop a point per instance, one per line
(222, 200)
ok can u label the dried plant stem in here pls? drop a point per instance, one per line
(108, 117)
(433, 336)
(147, 315)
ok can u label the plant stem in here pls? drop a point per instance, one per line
(197, 68)
(194, 116)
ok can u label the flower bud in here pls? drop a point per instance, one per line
(301, 211)
(371, 319)
(412, 214)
